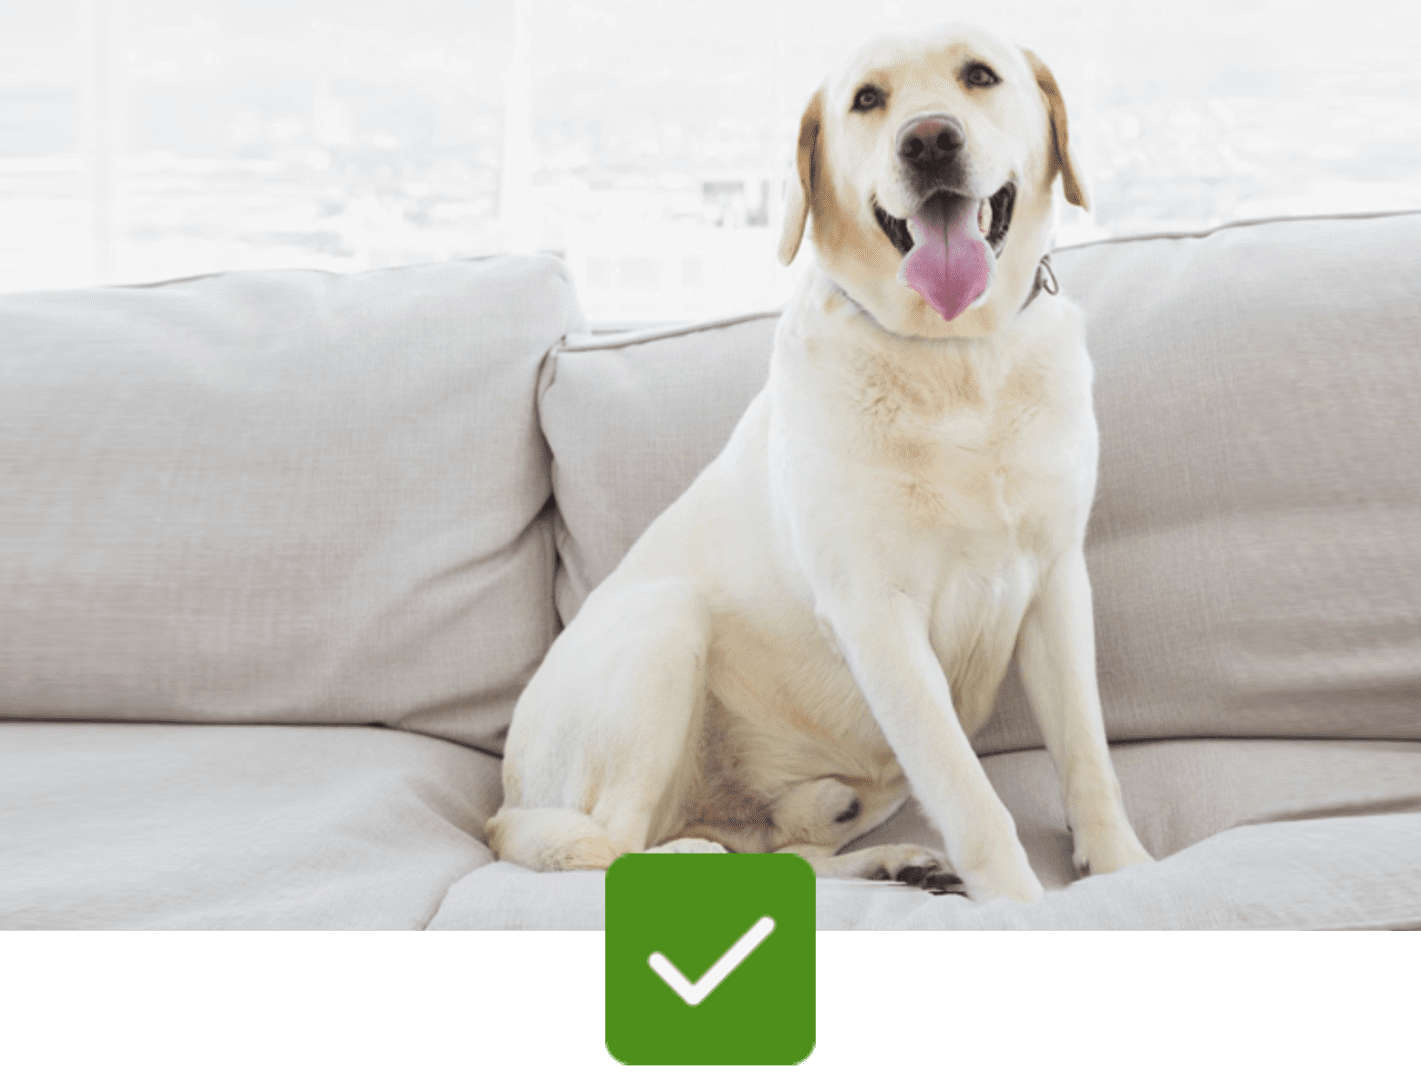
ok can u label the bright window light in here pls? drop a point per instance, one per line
(647, 143)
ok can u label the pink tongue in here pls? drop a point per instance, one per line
(948, 264)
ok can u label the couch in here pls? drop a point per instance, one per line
(278, 551)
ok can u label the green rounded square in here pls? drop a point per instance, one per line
(692, 909)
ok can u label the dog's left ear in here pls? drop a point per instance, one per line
(801, 194)
(1060, 135)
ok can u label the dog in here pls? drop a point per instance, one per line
(819, 624)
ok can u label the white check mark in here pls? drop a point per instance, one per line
(693, 993)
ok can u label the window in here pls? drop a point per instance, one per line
(647, 143)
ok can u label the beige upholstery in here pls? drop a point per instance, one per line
(275, 510)
(219, 826)
(287, 497)
(283, 827)
(1251, 834)
(1255, 546)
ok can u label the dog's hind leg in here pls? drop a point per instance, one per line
(603, 739)
(546, 838)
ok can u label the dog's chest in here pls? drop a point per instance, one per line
(987, 454)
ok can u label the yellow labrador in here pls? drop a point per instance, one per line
(817, 627)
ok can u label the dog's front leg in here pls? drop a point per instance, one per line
(884, 639)
(1056, 656)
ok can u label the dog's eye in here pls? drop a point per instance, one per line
(981, 75)
(868, 98)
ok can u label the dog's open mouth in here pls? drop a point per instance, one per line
(949, 246)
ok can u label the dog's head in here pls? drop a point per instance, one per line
(925, 174)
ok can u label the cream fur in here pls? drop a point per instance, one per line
(820, 623)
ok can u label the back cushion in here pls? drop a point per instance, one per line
(1255, 547)
(286, 497)
(1256, 529)
(632, 420)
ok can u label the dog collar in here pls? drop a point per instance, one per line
(1045, 282)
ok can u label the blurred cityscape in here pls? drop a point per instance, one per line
(646, 143)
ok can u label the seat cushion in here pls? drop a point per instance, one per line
(1249, 834)
(280, 497)
(1181, 792)
(1354, 873)
(179, 826)
(1255, 545)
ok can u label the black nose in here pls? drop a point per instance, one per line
(926, 141)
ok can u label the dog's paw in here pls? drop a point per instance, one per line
(943, 882)
(913, 865)
(1103, 850)
(689, 845)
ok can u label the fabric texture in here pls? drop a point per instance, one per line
(1249, 834)
(631, 420)
(1254, 547)
(1180, 792)
(1254, 536)
(285, 497)
(184, 826)
(285, 508)
(1325, 874)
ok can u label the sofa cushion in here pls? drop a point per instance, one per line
(1255, 547)
(1257, 532)
(1353, 873)
(632, 419)
(1180, 792)
(285, 497)
(181, 826)
(1324, 874)
(1250, 834)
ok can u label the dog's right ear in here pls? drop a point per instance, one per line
(800, 196)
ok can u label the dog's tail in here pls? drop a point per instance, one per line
(550, 839)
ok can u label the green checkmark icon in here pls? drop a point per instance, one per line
(710, 959)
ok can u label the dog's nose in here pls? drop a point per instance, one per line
(926, 141)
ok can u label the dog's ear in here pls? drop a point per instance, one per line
(1060, 135)
(799, 196)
